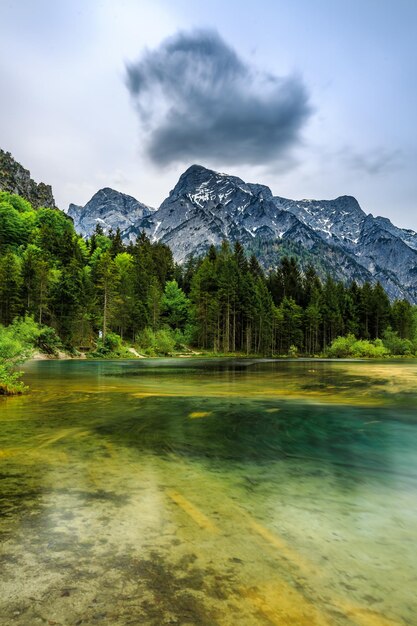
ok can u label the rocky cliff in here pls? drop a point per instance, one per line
(15, 179)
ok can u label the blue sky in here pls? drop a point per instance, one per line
(341, 76)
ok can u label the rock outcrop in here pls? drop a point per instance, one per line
(16, 179)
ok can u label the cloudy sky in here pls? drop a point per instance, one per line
(315, 99)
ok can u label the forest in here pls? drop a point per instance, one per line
(99, 295)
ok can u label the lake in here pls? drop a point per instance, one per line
(210, 492)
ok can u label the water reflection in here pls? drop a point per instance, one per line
(210, 493)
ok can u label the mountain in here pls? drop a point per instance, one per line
(408, 236)
(109, 208)
(15, 179)
(205, 207)
(389, 253)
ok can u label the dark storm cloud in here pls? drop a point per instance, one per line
(196, 99)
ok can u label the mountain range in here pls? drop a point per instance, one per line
(205, 207)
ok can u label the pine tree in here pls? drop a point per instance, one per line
(205, 306)
(154, 302)
(124, 301)
(380, 311)
(402, 318)
(291, 324)
(106, 281)
(365, 310)
(10, 287)
(117, 246)
(175, 306)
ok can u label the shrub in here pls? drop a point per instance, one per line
(48, 341)
(25, 330)
(341, 347)
(349, 346)
(10, 383)
(293, 351)
(12, 352)
(146, 340)
(164, 341)
(395, 345)
(109, 348)
(364, 348)
(32, 335)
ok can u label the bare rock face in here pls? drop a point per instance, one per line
(206, 207)
(15, 179)
(110, 209)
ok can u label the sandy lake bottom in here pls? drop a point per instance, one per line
(210, 493)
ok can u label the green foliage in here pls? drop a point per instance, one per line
(175, 305)
(293, 351)
(222, 301)
(10, 383)
(160, 343)
(403, 319)
(48, 341)
(32, 335)
(397, 346)
(16, 202)
(25, 330)
(16, 220)
(17, 343)
(145, 339)
(10, 286)
(13, 351)
(290, 316)
(54, 233)
(341, 347)
(350, 347)
(109, 347)
(164, 341)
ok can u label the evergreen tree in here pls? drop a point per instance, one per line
(154, 302)
(331, 316)
(175, 305)
(66, 301)
(205, 308)
(106, 277)
(124, 302)
(291, 324)
(365, 311)
(76, 286)
(10, 287)
(380, 311)
(117, 246)
(402, 318)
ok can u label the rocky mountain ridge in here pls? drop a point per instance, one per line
(110, 209)
(206, 207)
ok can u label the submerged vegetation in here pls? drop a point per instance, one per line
(97, 295)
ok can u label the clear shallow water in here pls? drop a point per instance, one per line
(210, 492)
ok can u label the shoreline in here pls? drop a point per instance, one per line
(39, 356)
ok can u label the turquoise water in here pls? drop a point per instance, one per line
(210, 492)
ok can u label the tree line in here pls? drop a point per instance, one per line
(222, 301)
